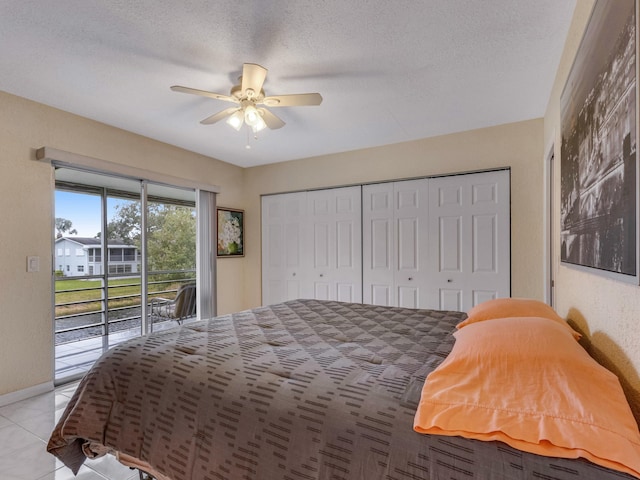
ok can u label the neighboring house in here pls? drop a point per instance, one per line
(78, 256)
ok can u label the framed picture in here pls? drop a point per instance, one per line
(598, 167)
(230, 232)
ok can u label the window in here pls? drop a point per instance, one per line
(67, 252)
(60, 253)
(94, 255)
(119, 268)
(68, 268)
(80, 268)
(115, 254)
(79, 252)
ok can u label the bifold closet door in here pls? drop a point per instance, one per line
(312, 245)
(441, 243)
(470, 238)
(395, 260)
(285, 266)
(334, 217)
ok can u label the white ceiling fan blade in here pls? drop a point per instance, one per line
(293, 100)
(203, 93)
(216, 117)
(253, 76)
(272, 121)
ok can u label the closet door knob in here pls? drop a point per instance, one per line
(449, 280)
(294, 274)
(410, 278)
(322, 274)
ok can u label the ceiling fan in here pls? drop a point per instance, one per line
(250, 100)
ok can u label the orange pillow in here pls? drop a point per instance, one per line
(513, 307)
(527, 383)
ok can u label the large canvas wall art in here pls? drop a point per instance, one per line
(598, 152)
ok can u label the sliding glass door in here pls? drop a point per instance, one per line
(117, 241)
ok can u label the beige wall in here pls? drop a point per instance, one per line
(517, 145)
(607, 311)
(26, 186)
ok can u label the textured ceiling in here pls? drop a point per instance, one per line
(389, 71)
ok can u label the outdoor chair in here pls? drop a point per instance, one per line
(178, 309)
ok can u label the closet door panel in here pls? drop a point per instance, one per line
(379, 234)
(291, 240)
(450, 299)
(470, 236)
(485, 243)
(378, 244)
(408, 297)
(346, 292)
(378, 294)
(321, 243)
(394, 243)
(449, 244)
(322, 291)
(411, 237)
(335, 217)
(284, 239)
(408, 244)
(348, 255)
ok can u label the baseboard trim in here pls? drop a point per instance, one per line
(25, 393)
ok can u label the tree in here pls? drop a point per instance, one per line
(171, 243)
(171, 238)
(64, 226)
(126, 223)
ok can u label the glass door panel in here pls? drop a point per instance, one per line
(123, 267)
(171, 255)
(99, 282)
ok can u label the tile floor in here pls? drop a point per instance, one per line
(25, 427)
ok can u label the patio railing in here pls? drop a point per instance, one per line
(82, 311)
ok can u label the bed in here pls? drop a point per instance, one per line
(305, 389)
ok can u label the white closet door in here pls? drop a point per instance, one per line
(411, 235)
(469, 239)
(336, 240)
(285, 266)
(394, 240)
(378, 245)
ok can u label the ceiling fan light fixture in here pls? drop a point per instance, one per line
(251, 115)
(259, 125)
(236, 119)
(249, 98)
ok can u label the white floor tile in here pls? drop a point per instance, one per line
(65, 473)
(41, 425)
(14, 438)
(46, 403)
(26, 457)
(4, 421)
(109, 467)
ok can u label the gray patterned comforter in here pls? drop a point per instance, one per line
(304, 390)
